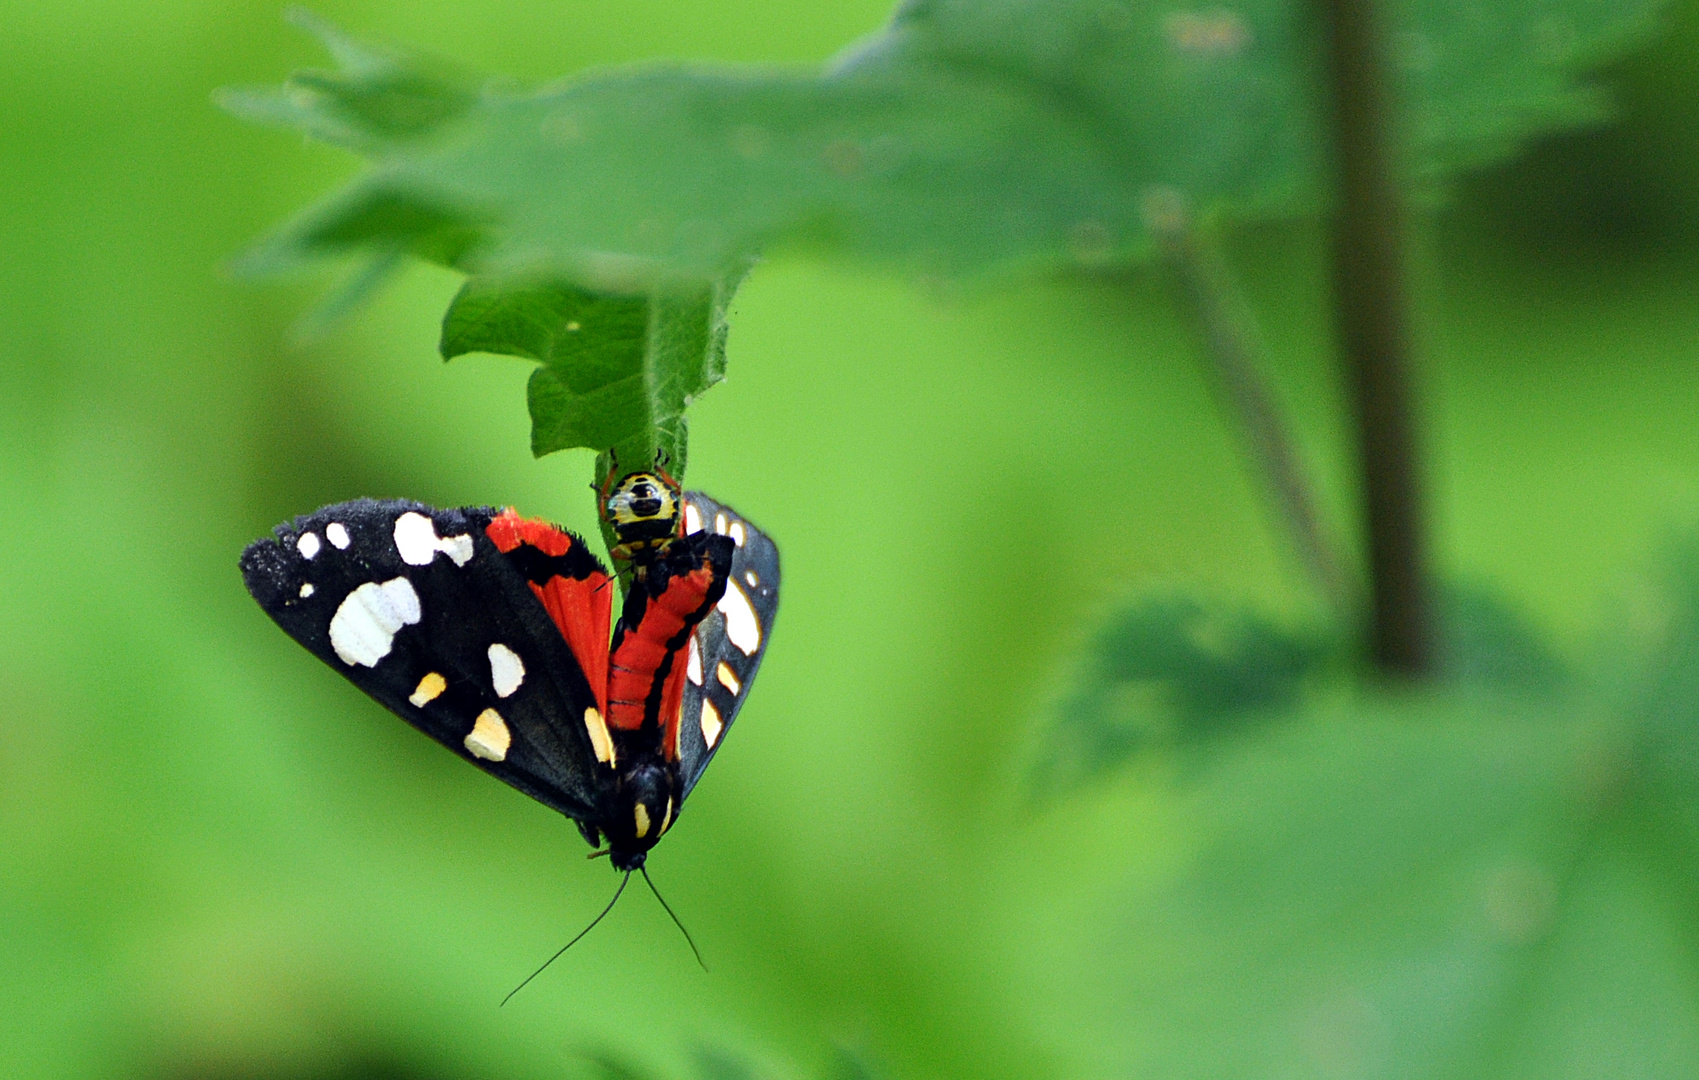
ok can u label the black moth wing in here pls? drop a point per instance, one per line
(337, 582)
(725, 651)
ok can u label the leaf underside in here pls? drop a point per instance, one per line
(966, 137)
(963, 137)
(616, 371)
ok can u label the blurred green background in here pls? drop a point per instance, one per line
(218, 860)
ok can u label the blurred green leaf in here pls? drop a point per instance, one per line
(965, 136)
(1408, 889)
(1665, 715)
(617, 371)
(378, 99)
(1166, 670)
(369, 1067)
(962, 137)
(851, 1065)
(603, 1064)
(1440, 885)
(713, 1063)
(1485, 642)
(1169, 670)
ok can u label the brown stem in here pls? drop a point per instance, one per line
(1372, 324)
(1232, 349)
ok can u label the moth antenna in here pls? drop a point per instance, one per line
(668, 908)
(623, 883)
(618, 575)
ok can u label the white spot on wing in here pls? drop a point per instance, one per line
(415, 538)
(489, 738)
(336, 534)
(693, 662)
(753, 578)
(742, 627)
(457, 548)
(363, 629)
(720, 524)
(692, 519)
(307, 590)
(712, 725)
(429, 689)
(417, 542)
(723, 672)
(736, 533)
(308, 545)
(507, 671)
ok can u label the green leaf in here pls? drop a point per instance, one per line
(1400, 890)
(605, 1064)
(1422, 887)
(1167, 670)
(716, 1064)
(849, 1064)
(1170, 670)
(1486, 643)
(966, 136)
(617, 371)
(378, 100)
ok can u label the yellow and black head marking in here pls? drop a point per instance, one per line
(643, 508)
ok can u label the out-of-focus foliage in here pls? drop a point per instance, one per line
(1486, 643)
(1491, 881)
(712, 1063)
(218, 861)
(964, 136)
(1167, 670)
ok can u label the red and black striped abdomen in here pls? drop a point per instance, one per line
(646, 669)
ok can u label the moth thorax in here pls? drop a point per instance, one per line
(642, 508)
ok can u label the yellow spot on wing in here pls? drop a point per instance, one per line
(668, 820)
(600, 740)
(429, 689)
(712, 725)
(489, 738)
(642, 814)
(728, 680)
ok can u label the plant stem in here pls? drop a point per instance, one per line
(1372, 324)
(1232, 348)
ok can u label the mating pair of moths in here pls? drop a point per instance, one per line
(491, 634)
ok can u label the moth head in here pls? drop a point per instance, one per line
(644, 808)
(643, 507)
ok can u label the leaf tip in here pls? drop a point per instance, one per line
(355, 57)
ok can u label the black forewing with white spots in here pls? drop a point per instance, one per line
(726, 650)
(417, 607)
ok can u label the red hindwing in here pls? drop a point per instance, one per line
(574, 590)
